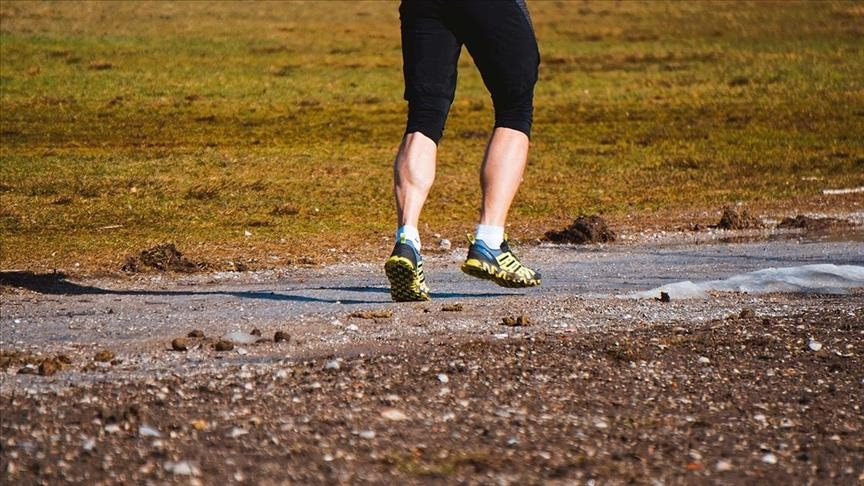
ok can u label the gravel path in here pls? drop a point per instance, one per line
(731, 388)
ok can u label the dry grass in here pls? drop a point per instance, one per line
(129, 124)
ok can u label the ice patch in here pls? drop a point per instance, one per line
(822, 278)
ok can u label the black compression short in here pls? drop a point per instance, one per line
(498, 35)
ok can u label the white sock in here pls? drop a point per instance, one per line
(493, 236)
(411, 233)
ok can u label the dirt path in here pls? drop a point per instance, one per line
(732, 387)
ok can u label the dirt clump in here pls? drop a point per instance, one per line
(104, 356)
(223, 345)
(815, 225)
(196, 333)
(281, 336)
(519, 321)
(180, 344)
(733, 219)
(585, 229)
(164, 257)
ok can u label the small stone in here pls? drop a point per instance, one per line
(746, 313)
(704, 360)
(89, 444)
(104, 356)
(367, 434)
(394, 414)
(444, 244)
(182, 468)
(443, 378)
(198, 424)
(237, 432)
(28, 369)
(769, 458)
(332, 365)
(281, 336)
(723, 465)
(601, 424)
(452, 308)
(112, 429)
(147, 431)
(523, 320)
(180, 344)
(352, 327)
(242, 351)
(222, 345)
(256, 332)
(814, 345)
(48, 367)
(197, 333)
(508, 321)
(664, 297)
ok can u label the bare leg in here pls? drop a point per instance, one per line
(413, 175)
(501, 174)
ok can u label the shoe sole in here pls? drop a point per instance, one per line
(404, 285)
(478, 269)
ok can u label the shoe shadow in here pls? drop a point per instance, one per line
(57, 284)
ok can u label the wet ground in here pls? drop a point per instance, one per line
(595, 385)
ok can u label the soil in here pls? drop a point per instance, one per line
(733, 219)
(585, 229)
(568, 383)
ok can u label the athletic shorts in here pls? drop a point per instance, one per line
(500, 38)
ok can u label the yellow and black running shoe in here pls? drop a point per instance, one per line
(500, 266)
(404, 269)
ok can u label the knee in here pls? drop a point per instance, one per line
(427, 115)
(515, 110)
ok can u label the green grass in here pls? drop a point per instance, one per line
(129, 124)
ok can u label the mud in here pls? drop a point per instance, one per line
(733, 219)
(163, 257)
(816, 224)
(585, 229)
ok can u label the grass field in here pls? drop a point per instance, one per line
(266, 131)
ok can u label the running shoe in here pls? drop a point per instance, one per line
(404, 269)
(500, 266)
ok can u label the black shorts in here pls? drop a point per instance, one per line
(498, 35)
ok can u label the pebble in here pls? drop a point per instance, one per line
(443, 378)
(367, 434)
(242, 351)
(704, 360)
(332, 365)
(394, 415)
(180, 344)
(769, 458)
(444, 244)
(112, 428)
(601, 424)
(182, 468)
(353, 327)
(281, 336)
(723, 465)
(89, 444)
(197, 333)
(237, 432)
(814, 345)
(147, 431)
